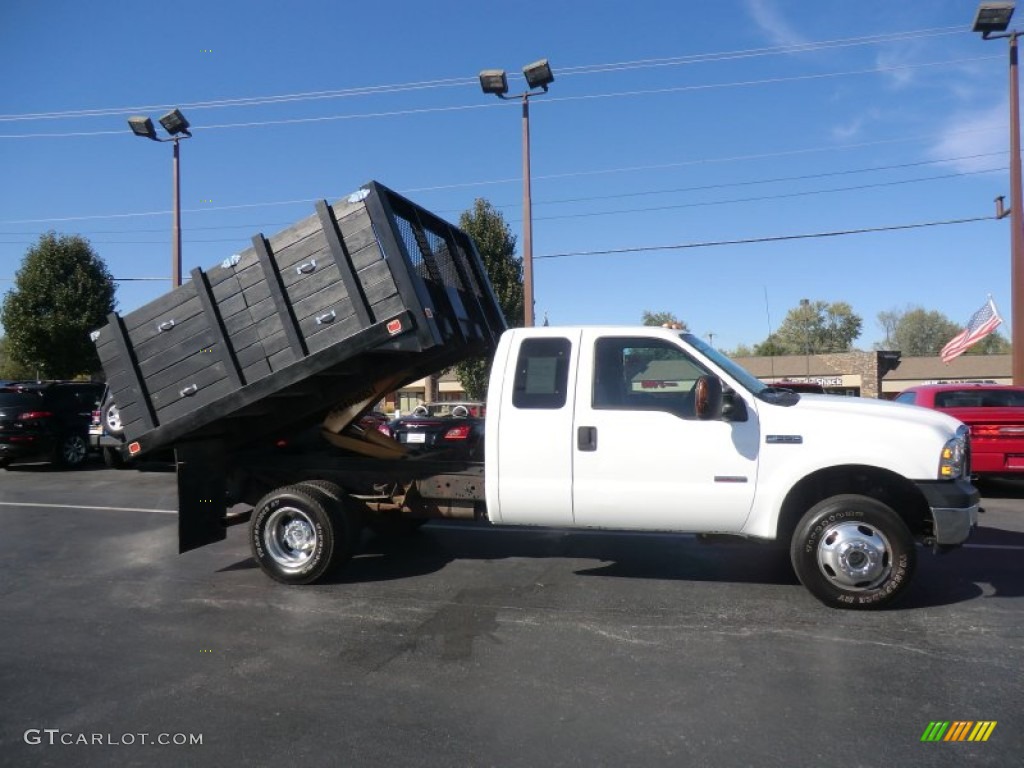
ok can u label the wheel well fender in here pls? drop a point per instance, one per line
(883, 485)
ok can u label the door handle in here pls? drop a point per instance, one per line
(586, 438)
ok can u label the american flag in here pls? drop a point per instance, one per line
(981, 324)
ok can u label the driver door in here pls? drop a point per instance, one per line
(641, 458)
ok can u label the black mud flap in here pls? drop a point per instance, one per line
(202, 501)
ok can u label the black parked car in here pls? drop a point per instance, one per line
(47, 421)
(458, 426)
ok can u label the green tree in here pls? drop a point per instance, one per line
(10, 369)
(497, 246)
(815, 327)
(663, 318)
(770, 347)
(61, 293)
(918, 332)
(741, 350)
(993, 344)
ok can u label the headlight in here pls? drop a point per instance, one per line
(953, 462)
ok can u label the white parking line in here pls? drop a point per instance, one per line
(80, 506)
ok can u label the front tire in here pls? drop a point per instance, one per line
(853, 551)
(299, 535)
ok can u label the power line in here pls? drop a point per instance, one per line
(538, 177)
(592, 198)
(565, 71)
(775, 180)
(677, 206)
(762, 198)
(767, 239)
(489, 105)
(712, 243)
(246, 101)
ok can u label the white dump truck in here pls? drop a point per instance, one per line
(257, 371)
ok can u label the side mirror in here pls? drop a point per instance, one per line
(707, 396)
(734, 408)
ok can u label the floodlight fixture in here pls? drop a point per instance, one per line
(143, 126)
(178, 127)
(993, 17)
(494, 81)
(174, 123)
(538, 74)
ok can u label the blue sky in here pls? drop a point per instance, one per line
(669, 123)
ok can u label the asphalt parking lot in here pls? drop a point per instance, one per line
(475, 646)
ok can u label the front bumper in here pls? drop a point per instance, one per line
(954, 508)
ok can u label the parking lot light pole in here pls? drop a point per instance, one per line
(178, 127)
(538, 75)
(992, 20)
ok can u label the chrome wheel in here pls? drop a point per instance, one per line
(290, 538)
(854, 556)
(112, 419)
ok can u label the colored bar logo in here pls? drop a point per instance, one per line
(958, 730)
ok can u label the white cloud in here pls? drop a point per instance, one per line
(974, 133)
(896, 58)
(848, 130)
(771, 22)
(854, 127)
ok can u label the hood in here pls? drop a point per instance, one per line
(855, 430)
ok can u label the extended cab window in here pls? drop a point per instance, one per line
(906, 397)
(644, 374)
(542, 373)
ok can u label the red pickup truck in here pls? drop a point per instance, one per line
(995, 415)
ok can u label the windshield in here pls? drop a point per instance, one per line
(744, 377)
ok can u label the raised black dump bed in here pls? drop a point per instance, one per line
(368, 295)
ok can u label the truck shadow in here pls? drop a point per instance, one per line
(622, 555)
(989, 567)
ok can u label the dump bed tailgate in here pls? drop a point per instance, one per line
(367, 295)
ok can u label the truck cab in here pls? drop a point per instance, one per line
(652, 429)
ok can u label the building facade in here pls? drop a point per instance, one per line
(881, 374)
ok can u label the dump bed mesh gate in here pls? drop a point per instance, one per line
(370, 289)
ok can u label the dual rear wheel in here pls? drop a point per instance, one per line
(301, 533)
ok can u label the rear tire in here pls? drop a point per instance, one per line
(336, 495)
(852, 551)
(113, 458)
(299, 535)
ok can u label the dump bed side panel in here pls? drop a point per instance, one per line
(371, 291)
